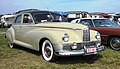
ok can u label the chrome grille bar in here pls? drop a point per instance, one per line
(86, 35)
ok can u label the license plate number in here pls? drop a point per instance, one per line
(90, 50)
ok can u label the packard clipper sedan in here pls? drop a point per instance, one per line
(48, 33)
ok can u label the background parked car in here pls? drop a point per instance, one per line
(0, 24)
(7, 20)
(110, 32)
(47, 32)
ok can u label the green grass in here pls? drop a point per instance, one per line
(3, 29)
(22, 58)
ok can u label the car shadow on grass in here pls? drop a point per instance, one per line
(66, 60)
(27, 50)
(89, 59)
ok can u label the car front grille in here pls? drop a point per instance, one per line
(68, 46)
(86, 35)
(79, 45)
(89, 43)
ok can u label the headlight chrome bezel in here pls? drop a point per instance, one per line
(74, 46)
(65, 37)
(97, 36)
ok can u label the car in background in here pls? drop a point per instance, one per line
(7, 20)
(0, 24)
(46, 32)
(110, 32)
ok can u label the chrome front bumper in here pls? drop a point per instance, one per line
(78, 52)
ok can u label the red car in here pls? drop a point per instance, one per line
(110, 32)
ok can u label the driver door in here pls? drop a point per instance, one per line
(25, 27)
(16, 26)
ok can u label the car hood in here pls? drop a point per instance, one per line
(62, 25)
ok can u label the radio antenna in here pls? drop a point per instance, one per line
(45, 5)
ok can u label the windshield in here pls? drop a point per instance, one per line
(48, 17)
(87, 22)
(103, 23)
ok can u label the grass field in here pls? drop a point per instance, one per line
(22, 58)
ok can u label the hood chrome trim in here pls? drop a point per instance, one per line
(56, 27)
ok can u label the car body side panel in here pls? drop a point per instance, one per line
(55, 36)
(31, 36)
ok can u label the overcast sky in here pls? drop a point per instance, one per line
(10, 6)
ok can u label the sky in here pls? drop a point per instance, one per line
(11, 6)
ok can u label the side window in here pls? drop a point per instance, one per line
(18, 19)
(87, 22)
(27, 19)
(40, 17)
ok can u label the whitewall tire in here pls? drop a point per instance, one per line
(11, 45)
(48, 51)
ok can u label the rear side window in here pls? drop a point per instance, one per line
(18, 19)
(40, 17)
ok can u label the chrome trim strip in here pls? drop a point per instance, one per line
(55, 27)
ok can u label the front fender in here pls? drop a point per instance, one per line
(54, 36)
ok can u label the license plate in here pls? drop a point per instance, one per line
(90, 50)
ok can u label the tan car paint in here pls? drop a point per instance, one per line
(30, 35)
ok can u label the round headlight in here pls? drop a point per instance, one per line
(65, 37)
(98, 36)
(98, 43)
(74, 46)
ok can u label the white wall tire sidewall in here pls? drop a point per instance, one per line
(43, 53)
(10, 44)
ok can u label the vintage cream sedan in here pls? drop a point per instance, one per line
(47, 32)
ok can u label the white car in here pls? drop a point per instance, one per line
(7, 20)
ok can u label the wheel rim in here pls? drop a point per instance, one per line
(115, 43)
(47, 50)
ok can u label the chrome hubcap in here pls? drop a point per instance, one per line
(47, 50)
(115, 42)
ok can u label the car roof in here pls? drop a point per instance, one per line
(37, 11)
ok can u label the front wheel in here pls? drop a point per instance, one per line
(48, 51)
(115, 43)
